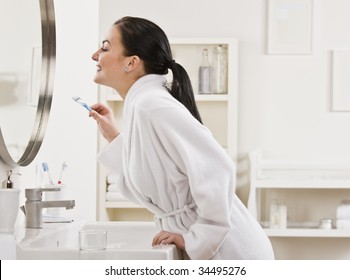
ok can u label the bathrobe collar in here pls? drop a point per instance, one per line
(147, 81)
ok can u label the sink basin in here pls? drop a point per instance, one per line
(125, 240)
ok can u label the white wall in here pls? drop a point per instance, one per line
(71, 134)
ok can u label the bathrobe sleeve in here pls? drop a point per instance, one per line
(112, 158)
(210, 173)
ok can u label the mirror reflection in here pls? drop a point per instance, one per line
(20, 70)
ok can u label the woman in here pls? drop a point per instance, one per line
(165, 159)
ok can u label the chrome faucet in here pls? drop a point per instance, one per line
(34, 205)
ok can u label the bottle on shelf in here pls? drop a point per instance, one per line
(219, 65)
(282, 213)
(274, 214)
(278, 214)
(204, 77)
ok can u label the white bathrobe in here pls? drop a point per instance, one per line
(168, 162)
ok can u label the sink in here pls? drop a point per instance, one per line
(125, 241)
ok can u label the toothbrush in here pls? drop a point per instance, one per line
(46, 169)
(79, 100)
(64, 166)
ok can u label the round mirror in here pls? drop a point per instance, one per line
(27, 55)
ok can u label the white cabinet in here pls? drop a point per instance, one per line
(218, 112)
(311, 191)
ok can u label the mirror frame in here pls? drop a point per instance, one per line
(48, 61)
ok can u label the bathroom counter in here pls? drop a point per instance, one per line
(125, 241)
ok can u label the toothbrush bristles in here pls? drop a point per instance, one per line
(46, 169)
(78, 100)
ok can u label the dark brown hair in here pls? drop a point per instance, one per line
(147, 40)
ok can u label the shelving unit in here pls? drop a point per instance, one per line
(310, 190)
(218, 111)
(307, 232)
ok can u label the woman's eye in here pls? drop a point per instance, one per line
(104, 46)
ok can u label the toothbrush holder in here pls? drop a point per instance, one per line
(62, 194)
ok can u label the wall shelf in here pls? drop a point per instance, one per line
(295, 232)
(111, 95)
(121, 204)
(302, 183)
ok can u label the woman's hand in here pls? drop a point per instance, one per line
(166, 237)
(105, 120)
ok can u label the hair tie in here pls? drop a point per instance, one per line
(170, 63)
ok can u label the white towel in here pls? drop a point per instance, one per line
(343, 224)
(343, 210)
(113, 188)
(112, 179)
(115, 196)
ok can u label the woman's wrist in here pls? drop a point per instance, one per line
(113, 136)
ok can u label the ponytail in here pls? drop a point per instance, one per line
(182, 90)
(147, 40)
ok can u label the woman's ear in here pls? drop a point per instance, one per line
(134, 63)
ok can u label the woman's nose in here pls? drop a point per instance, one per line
(95, 56)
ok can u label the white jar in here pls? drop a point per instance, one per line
(274, 214)
(282, 210)
(326, 223)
